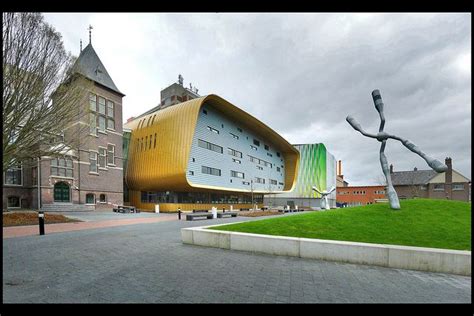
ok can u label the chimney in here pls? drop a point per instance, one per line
(391, 168)
(339, 168)
(415, 169)
(448, 178)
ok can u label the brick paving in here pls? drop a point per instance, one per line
(147, 263)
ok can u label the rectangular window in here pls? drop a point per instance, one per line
(234, 152)
(101, 123)
(245, 182)
(260, 180)
(458, 186)
(213, 130)
(237, 174)
(256, 142)
(93, 102)
(101, 105)
(234, 136)
(438, 187)
(93, 161)
(423, 187)
(211, 171)
(280, 183)
(14, 176)
(253, 147)
(274, 182)
(111, 154)
(278, 154)
(154, 142)
(259, 168)
(191, 173)
(270, 155)
(62, 167)
(210, 146)
(102, 157)
(239, 129)
(204, 111)
(93, 124)
(111, 124)
(110, 109)
(236, 161)
(278, 169)
(266, 147)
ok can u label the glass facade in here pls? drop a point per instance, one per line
(200, 197)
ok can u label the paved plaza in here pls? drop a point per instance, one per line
(147, 263)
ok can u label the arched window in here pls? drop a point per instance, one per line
(102, 198)
(90, 198)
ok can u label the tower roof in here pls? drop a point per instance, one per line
(89, 65)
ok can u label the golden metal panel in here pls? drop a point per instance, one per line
(164, 167)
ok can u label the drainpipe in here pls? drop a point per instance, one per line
(38, 176)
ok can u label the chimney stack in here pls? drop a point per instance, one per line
(391, 168)
(448, 178)
(339, 168)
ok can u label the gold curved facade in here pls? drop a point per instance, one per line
(162, 166)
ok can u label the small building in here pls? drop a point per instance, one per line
(359, 195)
(429, 184)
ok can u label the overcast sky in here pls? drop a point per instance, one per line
(302, 74)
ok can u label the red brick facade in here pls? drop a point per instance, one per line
(359, 195)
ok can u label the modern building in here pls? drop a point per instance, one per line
(202, 153)
(429, 184)
(317, 167)
(359, 195)
(84, 177)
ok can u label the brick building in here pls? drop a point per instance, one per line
(359, 195)
(86, 177)
(429, 184)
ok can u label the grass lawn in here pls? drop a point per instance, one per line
(31, 218)
(420, 223)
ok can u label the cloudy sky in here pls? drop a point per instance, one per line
(302, 74)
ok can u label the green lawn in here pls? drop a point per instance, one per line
(420, 223)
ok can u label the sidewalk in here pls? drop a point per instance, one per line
(30, 230)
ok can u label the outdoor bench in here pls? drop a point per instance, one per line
(190, 217)
(200, 211)
(125, 209)
(222, 214)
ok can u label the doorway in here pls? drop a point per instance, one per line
(61, 192)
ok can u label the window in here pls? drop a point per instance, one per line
(149, 145)
(93, 161)
(111, 154)
(110, 109)
(148, 123)
(236, 161)
(102, 198)
(101, 105)
(259, 168)
(423, 187)
(62, 167)
(101, 123)
(13, 202)
(14, 175)
(438, 187)
(93, 123)
(278, 154)
(234, 136)
(204, 111)
(280, 183)
(266, 147)
(274, 182)
(102, 157)
(270, 155)
(253, 147)
(90, 198)
(154, 141)
(245, 182)
(234, 153)
(191, 173)
(210, 146)
(211, 171)
(237, 174)
(110, 124)
(458, 186)
(278, 169)
(93, 102)
(256, 142)
(239, 129)
(259, 180)
(213, 130)
(153, 120)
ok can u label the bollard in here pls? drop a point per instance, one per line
(179, 213)
(223, 210)
(41, 222)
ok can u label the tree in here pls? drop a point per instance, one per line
(41, 92)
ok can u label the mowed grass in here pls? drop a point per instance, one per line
(420, 223)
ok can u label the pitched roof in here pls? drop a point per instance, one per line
(89, 65)
(412, 177)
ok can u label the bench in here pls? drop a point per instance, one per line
(222, 214)
(125, 209)
(245, 209)
(190, 217)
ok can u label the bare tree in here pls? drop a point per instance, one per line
(42, 96)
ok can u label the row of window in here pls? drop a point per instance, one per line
(102, 114)
(255, 141)
(234, 174)
(199, 197)
(101, 159)
(144, 143)
(149, 122)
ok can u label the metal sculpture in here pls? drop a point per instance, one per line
(382, 137)
(324, 197)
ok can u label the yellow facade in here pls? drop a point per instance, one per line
(162, 167)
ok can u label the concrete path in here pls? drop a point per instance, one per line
(149, 264)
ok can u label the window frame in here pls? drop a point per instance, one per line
(113, 154)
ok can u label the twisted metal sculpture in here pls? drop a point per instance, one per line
(382, 137)
(324, 197)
